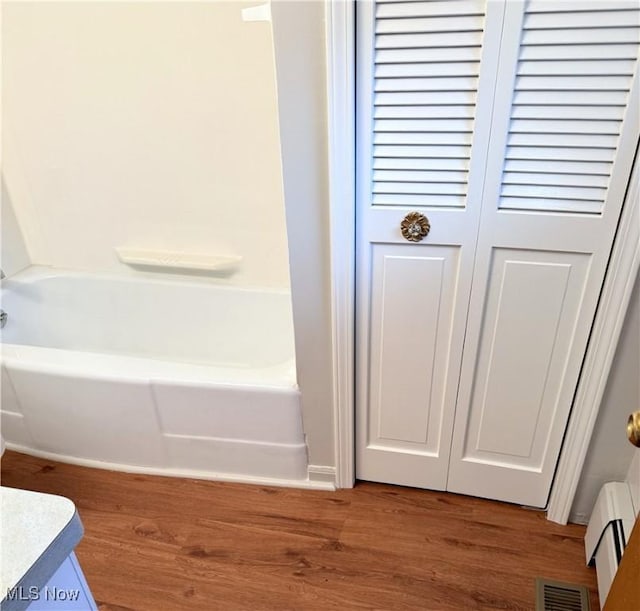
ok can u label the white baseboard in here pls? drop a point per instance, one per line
(579, 518)
(323, 475)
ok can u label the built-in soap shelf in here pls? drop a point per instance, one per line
(175, 260)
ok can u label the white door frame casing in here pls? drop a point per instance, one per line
(341, 78)
(623, 268)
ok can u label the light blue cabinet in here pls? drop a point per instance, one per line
(67, 590)
(39, 569)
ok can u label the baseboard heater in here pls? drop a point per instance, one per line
(609, 530)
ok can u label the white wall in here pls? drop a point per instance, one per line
(299, 35)
(143, 124)
(610, 453)
(13, 250)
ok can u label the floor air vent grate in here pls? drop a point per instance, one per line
(557, 596)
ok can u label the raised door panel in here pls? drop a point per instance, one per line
(411, 334)
(533, 301)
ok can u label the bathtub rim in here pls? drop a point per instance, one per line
(285, 372)
(113, 366)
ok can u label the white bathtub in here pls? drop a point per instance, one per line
(151, 375)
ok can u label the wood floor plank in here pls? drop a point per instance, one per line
(156, 544)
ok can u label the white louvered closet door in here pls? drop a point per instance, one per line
(423, 112)
(512, 126)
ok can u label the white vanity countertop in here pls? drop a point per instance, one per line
(37, 532)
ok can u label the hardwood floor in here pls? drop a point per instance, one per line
(156, 544)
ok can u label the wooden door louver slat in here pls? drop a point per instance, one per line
(574, 76)
(433, 69)
(612, 67)
(434, 54)
(562, 113)
(423, 112)
(564, 126)
(426, 72)
(547, 178)
(426, 188)
(592, 36)
(559, 154)
(431, 83)
(430, 8)
(592, 17)
(417, 163)
(424, 125)
(582, 52)
(431, 40)
(409, 176)
(576, 168)
(466, 23)
(575, 8)
(423, 138)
